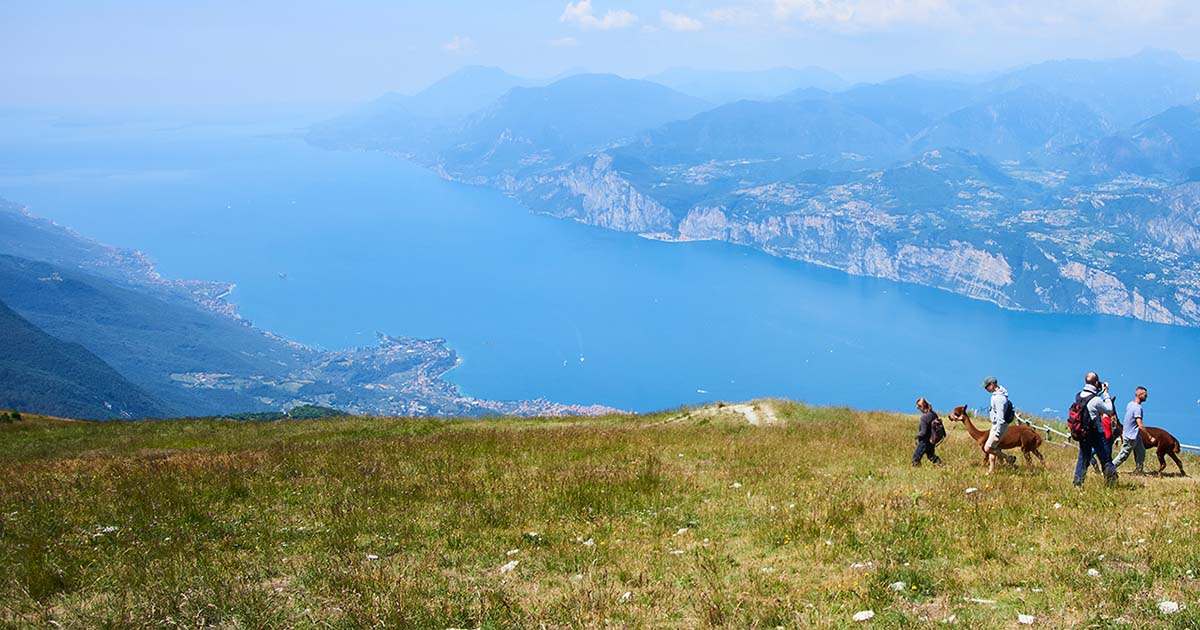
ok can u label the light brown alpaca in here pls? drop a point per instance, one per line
(1017, 435)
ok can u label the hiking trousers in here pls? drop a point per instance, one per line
(925, 448)
(1094, 446)
(1135, 447)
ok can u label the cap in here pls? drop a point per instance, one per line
(991, 380)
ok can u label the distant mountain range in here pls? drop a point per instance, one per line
(720, 87)
(91, 331)
(1066, 186)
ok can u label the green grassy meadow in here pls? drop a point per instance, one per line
(684, 518)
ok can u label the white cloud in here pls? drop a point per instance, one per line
(1010, 15)
(732, 15)
(563, 42)
(679, 21)
(459, 45)
(581, 14)
(864, 14)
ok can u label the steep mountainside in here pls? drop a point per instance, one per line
(530, 127)
(417, 122)
(1018, 125)
(42, 374)
(1168, 143)
(906, 105)
(810, 132)
(1123, 90)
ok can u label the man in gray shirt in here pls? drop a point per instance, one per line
(1131, 437)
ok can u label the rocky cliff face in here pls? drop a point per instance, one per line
(1058, 252)
(593, 193)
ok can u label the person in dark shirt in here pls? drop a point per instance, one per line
(927, 436)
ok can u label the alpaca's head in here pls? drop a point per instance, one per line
(959, 414)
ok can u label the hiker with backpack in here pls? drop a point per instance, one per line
(930, 432)
(1001, 414)
(1083, 420)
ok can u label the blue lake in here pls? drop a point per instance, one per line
(329, 247)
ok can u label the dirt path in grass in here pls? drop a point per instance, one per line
(758, 414)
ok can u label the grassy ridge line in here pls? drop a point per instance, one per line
(700, 518)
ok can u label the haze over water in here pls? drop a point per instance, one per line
(329, 247)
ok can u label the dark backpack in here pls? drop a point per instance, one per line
(1010, 413)
(1079, 419)
(937, 431)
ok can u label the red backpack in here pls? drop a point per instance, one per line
(1079, 419)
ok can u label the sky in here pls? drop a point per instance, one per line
(255, 52)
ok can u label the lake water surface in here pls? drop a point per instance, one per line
(329, 247)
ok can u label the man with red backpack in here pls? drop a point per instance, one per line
(1084, 421)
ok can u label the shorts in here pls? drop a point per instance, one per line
(997, 432)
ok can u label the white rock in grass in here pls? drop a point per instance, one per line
(372, 556)
(108, 529)
(1168, 607)
(735, 485)
(626, 596)
(971, 491)
(509, 566)
(1025, 620)
(681, 531)
(897, 586)
(864, 615)
(1093, 573)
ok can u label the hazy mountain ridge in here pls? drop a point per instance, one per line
(192, 352)
(1008, 190)
(727, 86)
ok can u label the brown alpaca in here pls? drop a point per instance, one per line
(1166, 445)
(1016, 435)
